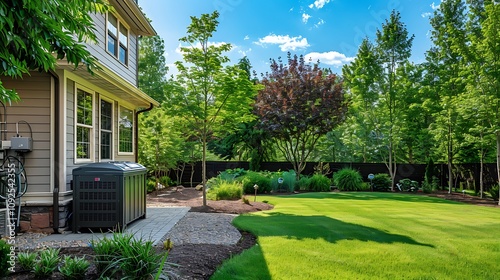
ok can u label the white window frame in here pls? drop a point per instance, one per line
(102, 98)
(119, 25)
(133, 130)
(91, 157)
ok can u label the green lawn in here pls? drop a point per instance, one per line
(368, 236)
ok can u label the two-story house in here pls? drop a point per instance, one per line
(76, 118)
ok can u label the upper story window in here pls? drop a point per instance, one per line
(117, 39)
(125, 130)
(84, 125)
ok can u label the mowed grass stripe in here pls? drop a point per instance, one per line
(368, 236)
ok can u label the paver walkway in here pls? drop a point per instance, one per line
(158, 222)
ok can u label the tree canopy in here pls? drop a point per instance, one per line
(298, 104)
(34, 34)
(210, 94)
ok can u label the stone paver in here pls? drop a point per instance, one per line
(158, 222)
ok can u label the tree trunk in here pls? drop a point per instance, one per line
(498, 161)
(450, 160)
(204, 170)
(481, 168)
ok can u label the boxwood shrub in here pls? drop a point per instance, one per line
(252, 178)
(382, 182)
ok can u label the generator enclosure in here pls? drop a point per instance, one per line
(108, 195)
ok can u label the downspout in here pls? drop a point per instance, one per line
(57, 132)
(136, 129)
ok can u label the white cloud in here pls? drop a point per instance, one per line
(286, 43)
(434, 6)
(320, 22)
(244, 52)
(330, 58)
(305, 17)
(428, 14)
(319, 4)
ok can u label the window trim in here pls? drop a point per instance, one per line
(91, 127)
(133, 130)
(111, 101)
(118, 42)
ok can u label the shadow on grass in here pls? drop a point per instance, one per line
(237, 268)
(318, 227)
(403, 197)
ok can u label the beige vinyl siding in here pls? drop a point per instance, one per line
(35, 108)
(128, 72)
(70, 131)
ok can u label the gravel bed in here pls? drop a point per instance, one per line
(31, 241)
(204, 228)
(193, 228)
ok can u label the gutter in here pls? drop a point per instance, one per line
(57, 133)
(136, 128)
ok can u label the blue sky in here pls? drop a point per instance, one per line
(328, 30)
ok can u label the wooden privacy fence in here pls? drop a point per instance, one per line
(465, 175)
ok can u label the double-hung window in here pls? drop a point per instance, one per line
(106, 136)
(117, 39)
(84, 125)
(125, 130)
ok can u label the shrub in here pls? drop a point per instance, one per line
(27, 260)
(151, 185)
(348, 179)
(107, 251)
(166, 181)
(214, 182)
(289, 179)
(304, 183)
(319, 183)
(4, 258)
(231, 174)
(47, 263)
(226, 191)
(365, 186)
(494, 192)
(381, 182)
(408, 185)
(126, 257)
(74, 267)
(138, 259)
(252, 178)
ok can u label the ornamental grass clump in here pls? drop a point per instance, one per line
(226, 191)
(74, 267)
(348, 179)
(124, 256)
(47, 263)
(27, 260)
(319, 183)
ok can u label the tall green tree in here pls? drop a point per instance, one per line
(35, 34)
(484, 70)
(362, 83)
(393, 46)
(445, 60)
(153, 67)
(212, 95)
(298, 104)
